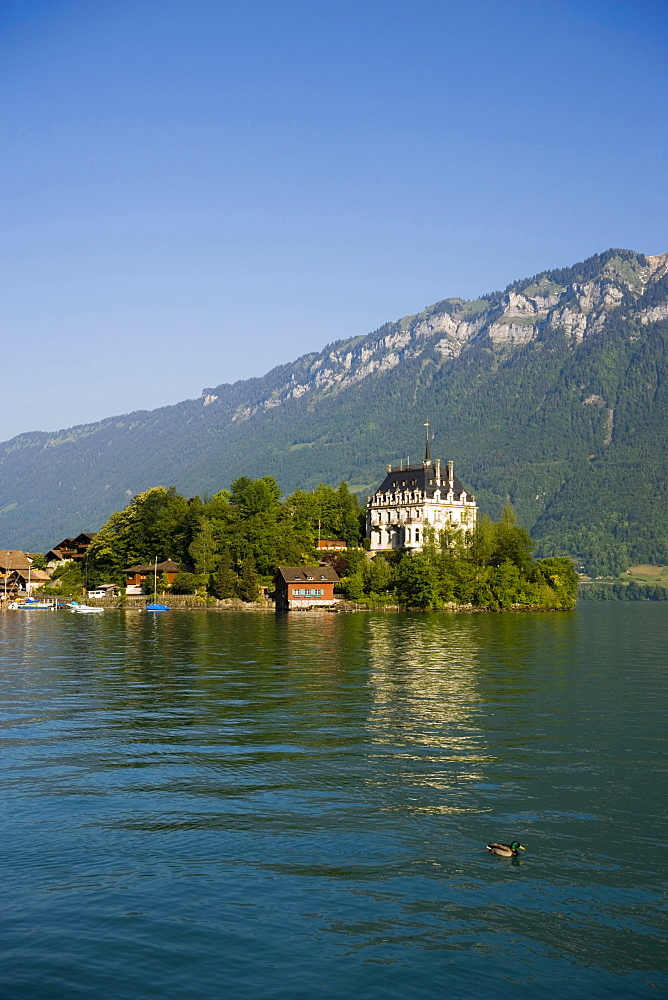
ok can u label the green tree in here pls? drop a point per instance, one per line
(417, 581)
(352, 587)
(247, 588)
(349, 515)
(511, 543)
(505, 584)
(378, 575)
(251, 497)
(482, 542)
(185, 583)
(224, 582)
(561, 577)
(203, 550)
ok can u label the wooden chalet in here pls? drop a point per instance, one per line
(71, 548)
(304, 587)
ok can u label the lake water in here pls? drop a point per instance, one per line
(213, 805)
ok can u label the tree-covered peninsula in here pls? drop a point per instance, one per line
(229, 544)
(490, 568)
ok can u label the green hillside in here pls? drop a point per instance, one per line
(550, 395)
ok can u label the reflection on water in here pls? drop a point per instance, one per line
(204, 804)
(423, 673)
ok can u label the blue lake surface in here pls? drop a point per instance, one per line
(203, 805)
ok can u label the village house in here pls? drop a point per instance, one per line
(304, 587)
(71, 548)
(413, 498)
(135, 575)
(17, 575)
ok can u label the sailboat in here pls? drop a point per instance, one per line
(156, 606)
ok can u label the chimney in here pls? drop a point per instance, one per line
(451, 475)
(438, 471)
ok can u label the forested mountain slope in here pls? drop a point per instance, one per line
(550, 395)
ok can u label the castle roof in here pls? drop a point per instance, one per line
(428, 477)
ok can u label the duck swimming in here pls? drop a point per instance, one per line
(506, 850)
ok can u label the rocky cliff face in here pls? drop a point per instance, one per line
(527, 311)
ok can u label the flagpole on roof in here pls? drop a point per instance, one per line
(427, 450)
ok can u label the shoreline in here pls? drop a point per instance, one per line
(188, 603)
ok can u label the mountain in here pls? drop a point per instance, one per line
(550, 395)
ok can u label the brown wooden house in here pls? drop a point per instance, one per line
(135, 575)
(304, 587)
(71, 548)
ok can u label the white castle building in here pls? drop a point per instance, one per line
(414, 496)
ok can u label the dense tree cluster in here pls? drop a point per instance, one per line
(491, 568)
(229, 544)
(226, 544)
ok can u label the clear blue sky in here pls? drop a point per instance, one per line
(195, 191)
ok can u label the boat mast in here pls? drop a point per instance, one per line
(155, 581)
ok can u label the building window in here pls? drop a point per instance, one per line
(417, 534)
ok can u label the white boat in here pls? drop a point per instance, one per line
(85, 609)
